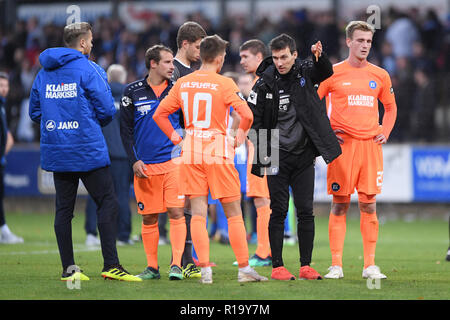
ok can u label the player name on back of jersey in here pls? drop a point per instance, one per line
(361, 100)
(199, 85)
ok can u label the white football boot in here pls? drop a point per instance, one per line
(373, 272)
(335, 272)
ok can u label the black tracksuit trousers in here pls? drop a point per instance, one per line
(100, 187)
(298, 173)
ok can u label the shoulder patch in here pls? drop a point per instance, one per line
(252, 97)
(126, 101)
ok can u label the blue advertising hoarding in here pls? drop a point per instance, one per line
(21, 172)
(431, 174)
(412, 174)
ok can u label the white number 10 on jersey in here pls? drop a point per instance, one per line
(199, 96)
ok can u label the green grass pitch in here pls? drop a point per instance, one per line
(411, 254)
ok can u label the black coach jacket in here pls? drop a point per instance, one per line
(311, 111)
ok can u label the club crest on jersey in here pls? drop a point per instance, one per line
(141, 205)
(372, 84)
(302, 82)
(335, 186)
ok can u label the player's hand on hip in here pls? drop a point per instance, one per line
(240, 137)
(380, 139)
(339, 138)
(139, 169)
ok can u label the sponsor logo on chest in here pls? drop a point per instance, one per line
(284, 102)
(360, 100)
(146, 107)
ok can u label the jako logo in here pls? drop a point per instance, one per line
(63, 125)
(50, 125)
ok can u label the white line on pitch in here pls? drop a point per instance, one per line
(46, 251)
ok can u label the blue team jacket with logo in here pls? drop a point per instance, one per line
(71, 100)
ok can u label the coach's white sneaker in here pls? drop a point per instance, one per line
(206, 275)
(335, 272)
(248, 274)
(373, 272)
(10, 238)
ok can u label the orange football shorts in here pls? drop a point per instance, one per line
(158, 192)
(219, 176)
(359, 166)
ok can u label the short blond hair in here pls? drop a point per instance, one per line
(358, 25)
(73, 32)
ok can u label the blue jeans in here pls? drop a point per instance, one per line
(122, 177)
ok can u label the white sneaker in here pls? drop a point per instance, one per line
(121, 243)
(92, 240)
(248, 274)
(373, 272)
(10, 238)
(335, 272)
(206, 275)
(163, 241)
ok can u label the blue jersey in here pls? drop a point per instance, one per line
(142, 138)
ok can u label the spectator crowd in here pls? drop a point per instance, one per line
(413, 46)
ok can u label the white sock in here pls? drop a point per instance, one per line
(246, 269)
(206, 269)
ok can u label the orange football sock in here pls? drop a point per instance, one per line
(200, 239)
(336, 232)
(150, 238)
(177, 239)
(262, 231)
(369, 232)
(238, 239)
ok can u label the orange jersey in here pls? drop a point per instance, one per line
(205, 98)
(352, 96)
